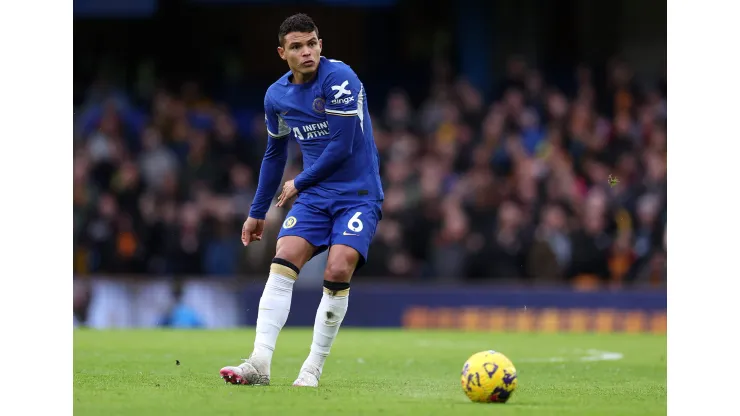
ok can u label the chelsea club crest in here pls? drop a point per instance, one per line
(318, 105)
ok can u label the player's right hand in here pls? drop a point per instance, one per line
(252, 230)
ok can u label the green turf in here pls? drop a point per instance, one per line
(370, 372)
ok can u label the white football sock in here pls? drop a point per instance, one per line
(273, 312)
(329, 317)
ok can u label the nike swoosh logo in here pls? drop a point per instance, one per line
(346, 233)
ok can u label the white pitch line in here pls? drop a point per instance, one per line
(542, 360)
(596, 355)
(592, 355)
(578, 355)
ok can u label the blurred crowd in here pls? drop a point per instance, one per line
(513, 187)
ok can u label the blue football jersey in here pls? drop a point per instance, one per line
(330, 108)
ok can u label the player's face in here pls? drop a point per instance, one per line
(301, 51)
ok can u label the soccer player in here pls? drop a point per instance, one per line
(321, 103)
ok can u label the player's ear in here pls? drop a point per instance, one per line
(281, 52)
(321, 45)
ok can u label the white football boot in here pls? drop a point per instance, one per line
(308, 377)
(252, 371)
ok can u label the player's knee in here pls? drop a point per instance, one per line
(295, 250)
(338, 270)
(341, 263)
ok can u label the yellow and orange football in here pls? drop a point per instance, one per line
(488, 377)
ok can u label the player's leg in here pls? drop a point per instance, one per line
(330, 313)
(291, 254)
(351, 236)
(304, 233)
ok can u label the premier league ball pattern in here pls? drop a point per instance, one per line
(488, 377)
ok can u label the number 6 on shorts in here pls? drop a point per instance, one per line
(355, 224)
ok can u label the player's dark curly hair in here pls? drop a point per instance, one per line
(300, 22)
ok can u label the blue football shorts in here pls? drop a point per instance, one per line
(324, 223)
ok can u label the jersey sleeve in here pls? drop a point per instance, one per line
(343, 93)
(273, 162)
(276, 126)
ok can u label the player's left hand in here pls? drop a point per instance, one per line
(289, 192)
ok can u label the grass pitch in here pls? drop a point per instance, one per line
(370, 372)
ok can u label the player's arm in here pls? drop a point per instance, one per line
(342, 91)
(273, 162)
